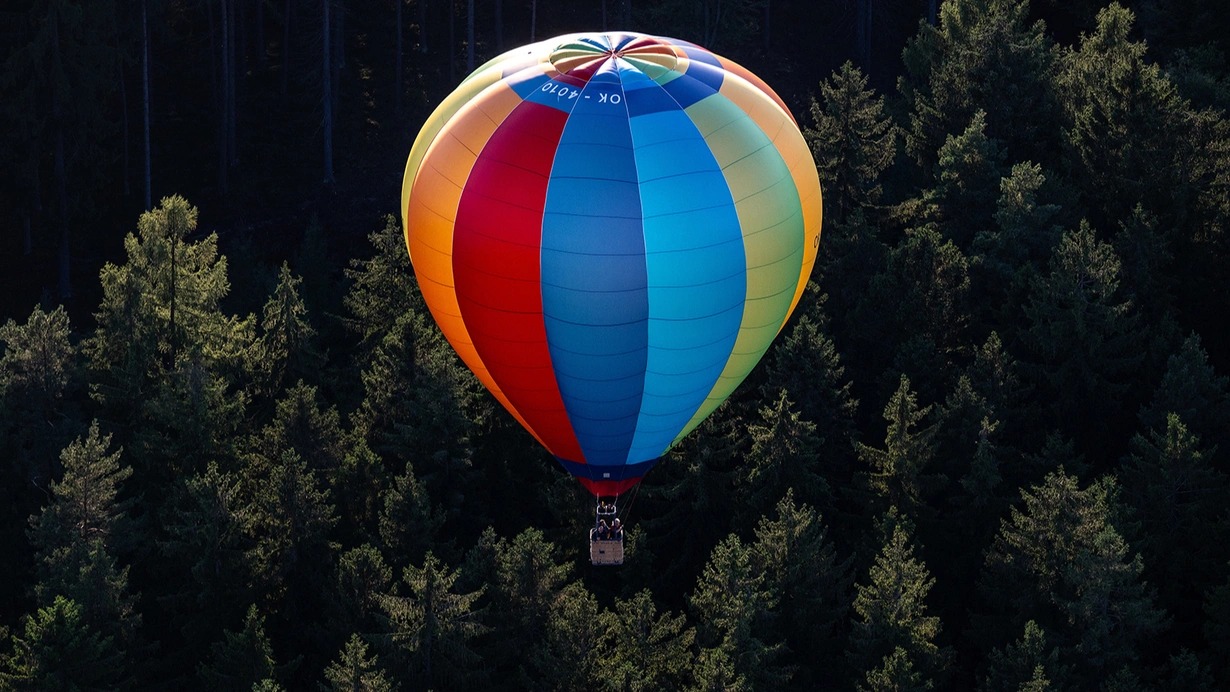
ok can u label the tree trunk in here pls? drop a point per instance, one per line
(768, 27)
(932, 12)
(469, 36)
(285, 81)
(533, 18)
(863, 35)
(223, 111)
(499, 25)
(232, 148)
(451, 51)
(423, 26)
(145, 101)
(262, 62)
(398, 61)
(64, 284)
(327, 96)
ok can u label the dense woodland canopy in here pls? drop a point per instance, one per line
(990, 451)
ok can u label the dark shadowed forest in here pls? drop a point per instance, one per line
(989, 451)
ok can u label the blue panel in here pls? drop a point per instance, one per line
(696, 269)
(594, 295)
(692, 86)
(600, 472)
(643, 101)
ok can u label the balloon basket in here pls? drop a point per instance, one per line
(605, 552)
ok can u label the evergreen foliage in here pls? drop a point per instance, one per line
(987, 452)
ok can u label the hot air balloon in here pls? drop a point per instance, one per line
(610, 229)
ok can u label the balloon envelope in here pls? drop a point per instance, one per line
(610, 229)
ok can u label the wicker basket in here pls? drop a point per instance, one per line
(606, 552)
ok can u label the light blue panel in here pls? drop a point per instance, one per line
(696, 271)
(594, 286)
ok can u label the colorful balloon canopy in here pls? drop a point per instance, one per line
(610, 229)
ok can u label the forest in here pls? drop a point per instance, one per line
(989, 451)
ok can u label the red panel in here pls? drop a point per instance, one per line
(496, 267)
(608, 488)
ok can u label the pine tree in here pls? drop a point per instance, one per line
(434, 625)
(206, 536)
(575, 645)
(645, 650)
(915, 311)
(58, 650)
(1128, 129)
(354, 671)
(736, 612)
(1177, 498)
(805, 363)
(895, 674)
(812, 587)
(890, 612)
(1083, 333)
(291, 518)
(242, 659)
(785, 453)
(1024, 664)
(286, 349)
(39, 375)
(1060, 560)
(78, 536)
(1192, 389)
(897, 473)
(162, 304)
(409, 522)
(852, 139)
(383, 289)
(362, 577)
(968, 178)
(984, 55)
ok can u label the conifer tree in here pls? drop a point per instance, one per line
(736, 613)
(383, 289)
(58, 650)
(1178, 501)
(853, 141)
(1024, 664)
(805, 363)
(361, 579)
(897, 474)
(286, 349)
(575, 645)
(1127, 125)
(39, 373)
(1024, 231)
(1083, 332)
(968, 175)
(434, 625)
(1191, 388)
(241, 660)
(983, 55)
(1060, 560)
(645, 650)
(78, 537)
(206, 536)
(891, 615)
(785, 453)
(162, 304)
(915, 311)
(801, 567)
(354, 671)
